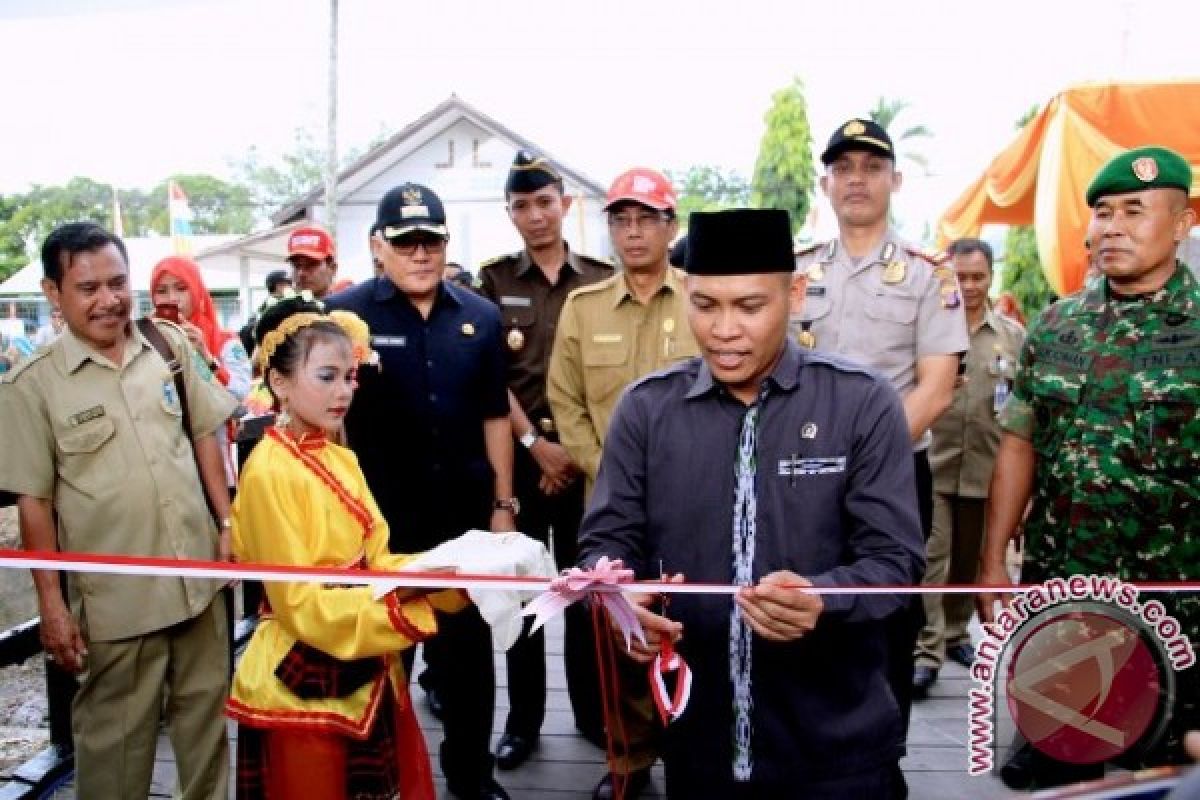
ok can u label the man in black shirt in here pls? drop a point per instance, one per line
(431, 431)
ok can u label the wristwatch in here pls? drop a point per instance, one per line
(529, 438)
(511, 504)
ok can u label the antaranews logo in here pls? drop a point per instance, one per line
(1090, 671)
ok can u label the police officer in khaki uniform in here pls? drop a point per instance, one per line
(878, 300)
(610, 334)
(530, 287)
(93, 442)
(965, 439)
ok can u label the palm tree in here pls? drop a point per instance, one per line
(885, 113)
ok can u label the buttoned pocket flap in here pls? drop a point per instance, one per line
(87, 438)
(605, 354)
(520, 316)
(893, 308)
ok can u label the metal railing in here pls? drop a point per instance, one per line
(55, 764)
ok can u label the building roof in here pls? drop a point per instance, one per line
(450, 109)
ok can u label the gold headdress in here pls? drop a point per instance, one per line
(348, 321)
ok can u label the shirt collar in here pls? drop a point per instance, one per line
(75, 351)
(1179, 293)
(890, 242)
(525, 261)
(785, 377)
(673, 283)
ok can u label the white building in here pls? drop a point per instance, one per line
(464, 156)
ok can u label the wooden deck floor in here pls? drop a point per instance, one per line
(566, 767)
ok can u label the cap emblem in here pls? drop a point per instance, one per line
(854, 128)
(1145, 168)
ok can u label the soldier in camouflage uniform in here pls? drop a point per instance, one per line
(1103, 426)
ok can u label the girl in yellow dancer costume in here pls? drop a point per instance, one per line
(320, 695)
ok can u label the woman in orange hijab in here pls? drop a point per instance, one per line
(178, 294)
(176, 282)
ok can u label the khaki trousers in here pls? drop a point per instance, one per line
(952, 557)
(182, 669)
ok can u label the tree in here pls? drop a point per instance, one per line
(783, 174)
(708, 188)
(1022, 272)
(26, 219)
(217, 206)
(884, 114)
(296, 172)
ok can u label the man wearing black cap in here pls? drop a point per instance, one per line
(772, 468)
(430, 428)
(530, 287)
(878, 300)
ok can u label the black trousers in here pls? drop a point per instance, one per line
(903, 626)
(460, 655)
(541, 514)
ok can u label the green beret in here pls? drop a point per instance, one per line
(1138, 169)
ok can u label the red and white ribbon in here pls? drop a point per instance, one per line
(220, 570)
(670, 705)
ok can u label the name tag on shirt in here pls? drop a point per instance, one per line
(389, 341)
(95, 412)
(606, 338)
(795, 467)
(510, 300)
(815, 291)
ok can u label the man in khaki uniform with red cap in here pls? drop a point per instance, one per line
(610, 334)
(313, 257)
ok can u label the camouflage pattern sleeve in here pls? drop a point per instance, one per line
(1016, 417)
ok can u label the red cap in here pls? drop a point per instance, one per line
(311, 241)
(643, 186)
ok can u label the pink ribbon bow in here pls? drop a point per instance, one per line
(603, 584)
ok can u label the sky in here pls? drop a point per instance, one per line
(130, 91)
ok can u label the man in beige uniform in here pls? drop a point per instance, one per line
(610, 334)
(878, 300)
(965, 439)
(93, 442)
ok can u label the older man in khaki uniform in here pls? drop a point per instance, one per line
(877, 300)
(610, 334)
(94, 446)
(965, 440)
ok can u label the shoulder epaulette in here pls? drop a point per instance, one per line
(604, 262)
(23, 364)
(499, 259)
(594, 288)
(812, 248)
(932, 256)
